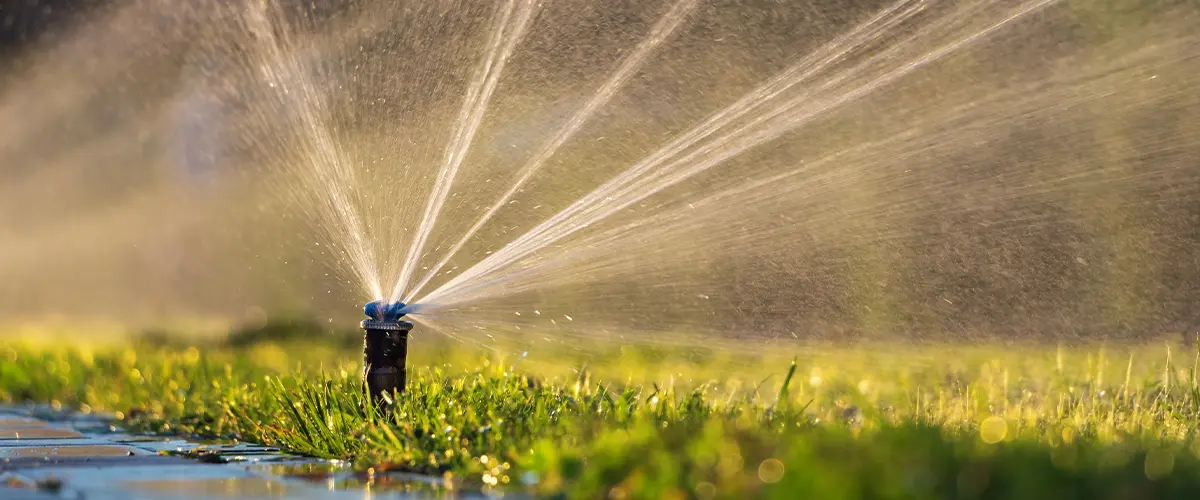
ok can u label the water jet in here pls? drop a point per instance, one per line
(385, 348)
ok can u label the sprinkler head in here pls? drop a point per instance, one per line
(385, 347)
(379, 311)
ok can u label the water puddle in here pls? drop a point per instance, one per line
(338, 476)
(86, 456)
(401, 483)
(233, 487)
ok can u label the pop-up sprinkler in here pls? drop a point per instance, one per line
(385, 348)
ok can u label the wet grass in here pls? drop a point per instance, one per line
(875, 421)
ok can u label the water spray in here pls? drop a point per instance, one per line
(385, 348)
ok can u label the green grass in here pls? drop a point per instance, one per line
(877, 421)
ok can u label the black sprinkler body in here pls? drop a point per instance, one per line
(385, 347)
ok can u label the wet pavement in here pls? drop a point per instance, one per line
(46, 454)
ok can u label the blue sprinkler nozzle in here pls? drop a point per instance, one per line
(379, 311)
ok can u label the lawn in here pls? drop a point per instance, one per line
(805, 421)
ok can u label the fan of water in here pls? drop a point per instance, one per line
(659, 171)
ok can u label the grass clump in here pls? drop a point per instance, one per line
(879, 422)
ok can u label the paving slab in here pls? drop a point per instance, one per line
(23, 443)
(19, 464)
(97, 450)
(17, 421)
(12, 433)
